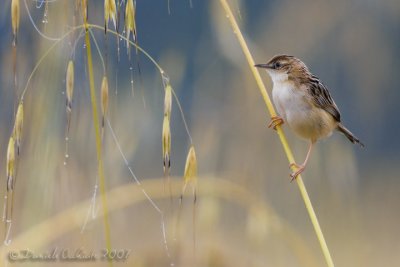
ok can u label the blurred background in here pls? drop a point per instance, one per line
(247, 211)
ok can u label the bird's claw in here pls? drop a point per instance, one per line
(300, 169)
(275, 121)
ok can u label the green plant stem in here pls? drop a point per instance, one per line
(102, 185)
(281, 135)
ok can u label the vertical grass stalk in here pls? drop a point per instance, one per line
(281, 135)
(102, 185)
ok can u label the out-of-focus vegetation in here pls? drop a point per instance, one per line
(247, 211)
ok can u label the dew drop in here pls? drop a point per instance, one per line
(65, 163)
(66, 156)
(66, 138)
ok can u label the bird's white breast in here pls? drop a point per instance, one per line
(290, 101)
(303, 118)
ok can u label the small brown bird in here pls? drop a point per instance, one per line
(303, 102)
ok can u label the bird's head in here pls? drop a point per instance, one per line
(284, 67)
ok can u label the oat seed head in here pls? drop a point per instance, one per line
(110, 12)
(10, 162)
(190, 166)
(15, 16)
(130, 25)
(70, 83)
(19, 121)
(168, 101)
(166, 142)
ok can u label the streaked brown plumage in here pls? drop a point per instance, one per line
(304, 102)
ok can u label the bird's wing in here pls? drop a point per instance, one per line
(322, 98)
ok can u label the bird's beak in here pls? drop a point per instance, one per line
(264, 66)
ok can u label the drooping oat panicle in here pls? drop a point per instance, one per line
(110, 12)
(69, 83)
(190, 173)
(166, 145)
(19, 121)
(130, 24)
(10, 168)
(15, 19)
(168, 101)
(104, 99)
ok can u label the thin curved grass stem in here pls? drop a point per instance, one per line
(281, 135)
(183, 116)
(44, 56)
(163, 75)
(132, 43)
(37, 29)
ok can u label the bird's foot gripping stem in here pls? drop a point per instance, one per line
(275, 121)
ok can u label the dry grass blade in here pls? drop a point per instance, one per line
(104, 99)
(15, 19)
(166, 145)
(110, 12)
(69, 90)
(19, 121)
(168, 101)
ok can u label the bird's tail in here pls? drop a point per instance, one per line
(349, 135)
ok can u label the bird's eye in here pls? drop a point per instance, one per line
(277, 65)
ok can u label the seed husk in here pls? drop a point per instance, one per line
(15, 17)
(110, 12)
(166, 144)
(104, 98)
(130, 24)
(19, 121)
(190, 173)
(10, 170)
(168, 101)
(70, 83)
